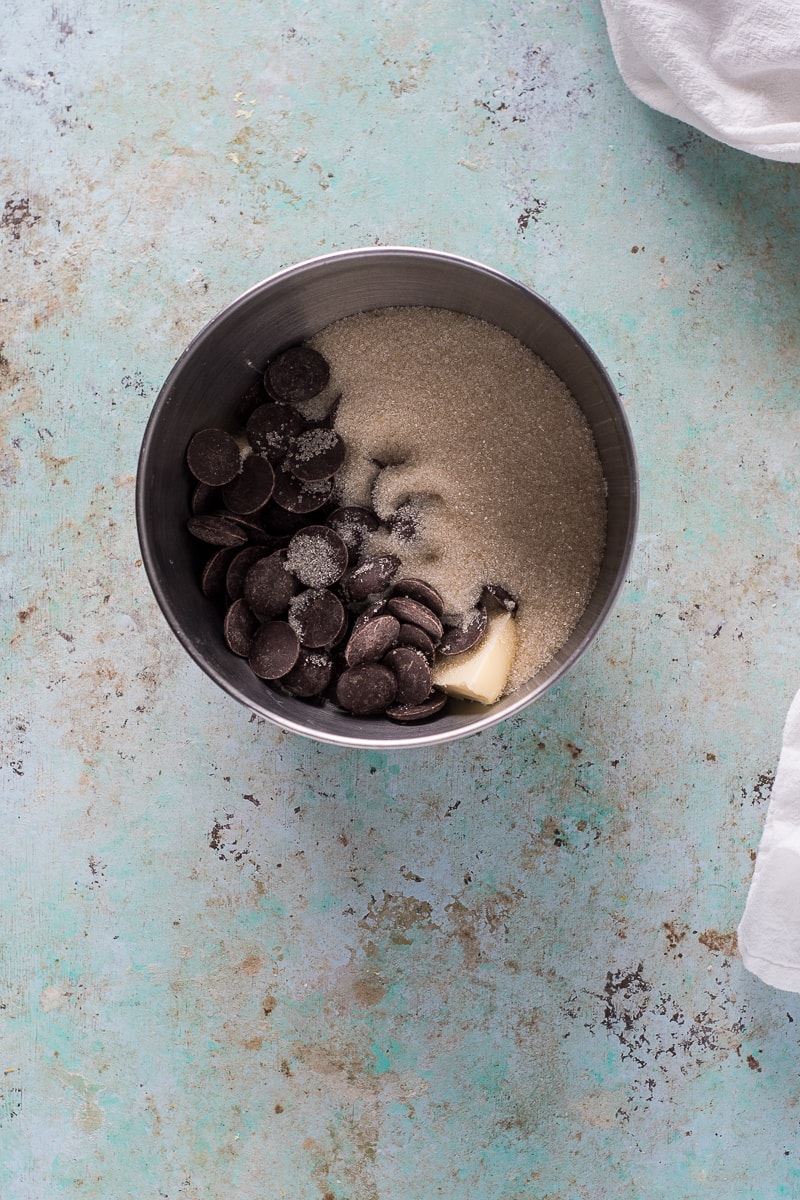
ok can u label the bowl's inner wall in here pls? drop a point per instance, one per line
(220, 364)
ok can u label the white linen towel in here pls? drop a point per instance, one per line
(729, 67)
(769, 931)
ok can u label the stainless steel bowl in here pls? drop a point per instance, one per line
(217, 367)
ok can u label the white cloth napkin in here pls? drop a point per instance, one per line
(769, 932)
(729, 67)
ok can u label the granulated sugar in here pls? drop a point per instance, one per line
(312, 443)
(482, 448)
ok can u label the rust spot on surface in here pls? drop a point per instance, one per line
(6, 374)
(675, 932)
(723, 943)
(753, 1063)
(463, 921)
(550, 834)
(251, 965)
(54, 466)
(17, 216)
(761, 790)
(625, 995)
(269, 1005)
(398, 913)
(369, 989)
(486, 917)
(531, 213)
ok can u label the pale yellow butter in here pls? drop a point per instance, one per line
(482, 673)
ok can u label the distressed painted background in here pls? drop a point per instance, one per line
(235, 963)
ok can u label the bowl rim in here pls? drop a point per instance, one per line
(422, 735)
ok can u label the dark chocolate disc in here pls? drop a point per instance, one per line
(238, 628)
(272, 428)
(343, 634)
(371, 610)
(418, 639)
(205, 500)
(353, 523)
(413, 673)
(310, 675)
(252, 399)
(317, 453)
(317, 617)
(418, 589)
(269, 586)
(317, 556)
(370, 642)
(336, 656)
(238, 567)
(214, 457)
(501, 596)
(280, 522)
(274, 650)
(212, 581)
(296, 374)
(254, 528)
(366, 689)
(252, 487)
(418, 712)
(372, 576)
(460, 638)
(299, 497)
(406, 609)
(216, 531)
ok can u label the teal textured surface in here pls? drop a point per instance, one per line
(235, 962)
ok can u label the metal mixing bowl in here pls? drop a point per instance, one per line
(218, 366)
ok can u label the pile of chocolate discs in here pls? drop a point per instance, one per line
(312, 615)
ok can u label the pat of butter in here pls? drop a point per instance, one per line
(480, 674)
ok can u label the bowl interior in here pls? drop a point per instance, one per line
(222, 361)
